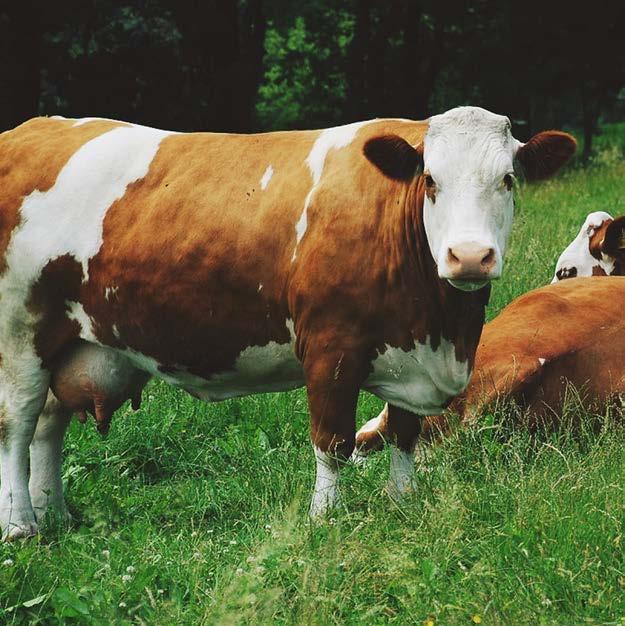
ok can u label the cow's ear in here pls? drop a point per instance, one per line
(395, 157)
(545, 153)
(614, 240)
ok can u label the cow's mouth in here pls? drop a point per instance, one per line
(468, 285)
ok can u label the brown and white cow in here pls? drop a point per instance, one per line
(348, 258)
(598, 249)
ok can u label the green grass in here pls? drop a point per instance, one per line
(196, 514)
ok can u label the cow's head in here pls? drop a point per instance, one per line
(468, 161)
(598, 249)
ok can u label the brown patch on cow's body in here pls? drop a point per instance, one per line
(33, 155)
(60, 281)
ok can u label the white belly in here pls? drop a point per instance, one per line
(421, 380)
(258, 369)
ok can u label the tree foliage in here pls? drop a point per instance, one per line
(241, 65)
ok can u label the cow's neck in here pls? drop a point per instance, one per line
(433, 308)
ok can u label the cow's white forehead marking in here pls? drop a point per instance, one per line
(541, 360)
(469, 141)
(577, 254)
(264, 181)
(328, 139)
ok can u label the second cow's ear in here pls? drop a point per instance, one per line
(395, 157)
(545, 153)
(614, 240)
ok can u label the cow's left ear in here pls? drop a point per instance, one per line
(395, 157)
(545, 153)
(614, 240)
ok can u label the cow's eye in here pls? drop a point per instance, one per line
(508, 181)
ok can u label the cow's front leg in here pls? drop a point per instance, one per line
(23, 396)
(333, 380)
(402, 430)
(46, 451)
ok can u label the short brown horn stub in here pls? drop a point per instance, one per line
(545, 153)
(395, 157)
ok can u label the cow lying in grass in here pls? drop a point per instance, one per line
(564, 335)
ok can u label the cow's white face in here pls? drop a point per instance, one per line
(595, 250)
(468, 205)
(468, 158)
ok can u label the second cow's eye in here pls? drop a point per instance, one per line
(508, 181)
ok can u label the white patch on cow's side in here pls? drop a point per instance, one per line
(401, 475)
(329, 139)
(78, 314)
(541, 360)
(264, 181)
(95, 177)
(576, 259)
(468, 151)
(258, 369)
(326, 493)
(421, 380)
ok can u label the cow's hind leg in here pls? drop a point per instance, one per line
(23, 389)
(46, 449)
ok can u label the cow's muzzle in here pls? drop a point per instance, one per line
(470, 265)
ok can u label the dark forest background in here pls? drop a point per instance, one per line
(250, 65)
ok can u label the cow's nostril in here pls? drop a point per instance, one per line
(489, 258)
(452, 259)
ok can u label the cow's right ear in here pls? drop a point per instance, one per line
(614, 240)
(545, 153)
(395, 157)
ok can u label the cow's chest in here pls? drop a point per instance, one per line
(421, 380)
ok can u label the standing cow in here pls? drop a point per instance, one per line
(350, 258)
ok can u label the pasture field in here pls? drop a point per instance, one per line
(190, 513)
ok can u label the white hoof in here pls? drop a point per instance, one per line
(20, 531)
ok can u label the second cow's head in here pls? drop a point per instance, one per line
(467, 160)
(598, 249)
